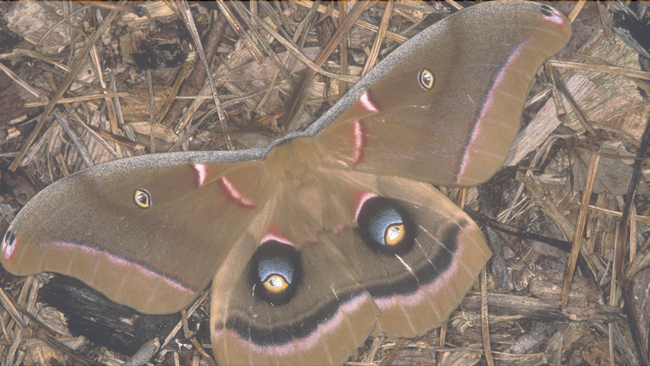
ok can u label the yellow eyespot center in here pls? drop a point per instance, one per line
(275, 284)
(395, 234)
(426, 79)
(142, 198)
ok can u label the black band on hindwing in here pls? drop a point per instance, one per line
(379, 212)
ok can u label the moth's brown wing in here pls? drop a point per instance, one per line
(445, 107)
(346, 243)
(150, 236)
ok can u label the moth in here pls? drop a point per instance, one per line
(330, 234)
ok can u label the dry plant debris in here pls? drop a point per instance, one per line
(116, 68)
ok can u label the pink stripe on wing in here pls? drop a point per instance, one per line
(362, 197)
(8, 249)
(358, 141)
(367, 103)
(233, 192)
(479, 125)
(119, 261)
(274, 235)
(201, 172)
(554, 18)
(329, 326)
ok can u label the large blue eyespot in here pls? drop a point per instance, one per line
(384, 225)
(275, 272)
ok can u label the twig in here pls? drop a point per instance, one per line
(64, 86)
